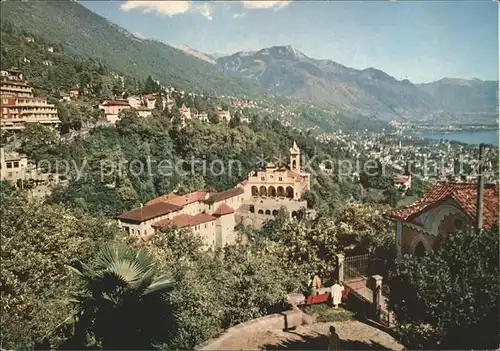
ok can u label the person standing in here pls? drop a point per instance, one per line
(333, 339)
(336, 294)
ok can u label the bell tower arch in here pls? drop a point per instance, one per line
(295, 158)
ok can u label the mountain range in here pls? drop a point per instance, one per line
(370, 92)
(282, 70)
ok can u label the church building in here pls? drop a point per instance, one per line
(276, 182)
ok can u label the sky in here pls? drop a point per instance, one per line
(421, 41)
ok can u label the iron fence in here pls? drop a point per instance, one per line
(356, 267)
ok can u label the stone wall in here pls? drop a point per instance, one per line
(411, 237)
(272, 321)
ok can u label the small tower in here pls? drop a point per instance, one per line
(295, 158)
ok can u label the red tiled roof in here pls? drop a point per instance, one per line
(188, 198)
(222, 210)
(116, 103)
(184, 220)
(147, 212)
(163, 198)
(223, 195)
(464, 194)
(149, 97)
(244, 182)
(401, 180)
(181, 200)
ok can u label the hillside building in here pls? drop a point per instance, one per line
(281, 182)
(18, 111)
(19, 106)
(214, 216)
(134, 101)
(11, 75)
(446, 208)
(111, 109)
(224, 116)
(74, 92)
(15, 88)
(143, 111)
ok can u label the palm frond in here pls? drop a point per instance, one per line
(160, 284)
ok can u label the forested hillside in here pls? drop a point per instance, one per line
(84, 34)
(51, 70)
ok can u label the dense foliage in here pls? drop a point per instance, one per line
(111, 169)
(448, 299)
(37, 242)
(120, 287)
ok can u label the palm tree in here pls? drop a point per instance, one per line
(122, 304)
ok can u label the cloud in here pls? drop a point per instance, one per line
(169, 8)
(204, 9)
(255, 4)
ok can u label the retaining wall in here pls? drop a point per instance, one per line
(272, 321)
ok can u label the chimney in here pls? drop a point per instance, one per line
(480, 190)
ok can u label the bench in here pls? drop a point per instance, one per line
(314, 299)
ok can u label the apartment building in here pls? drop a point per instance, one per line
(18, 111)
(18, 105)
(11, 75)
(15, 88)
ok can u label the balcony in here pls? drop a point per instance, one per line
(7, 87)
(31, 119)
(38, 111)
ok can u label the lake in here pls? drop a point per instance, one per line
(469, 137)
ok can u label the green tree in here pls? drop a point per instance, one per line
(418, 187)
(158, 109)
(392, 195)
(176, 119)
(235, 120)
(38, 240)
(150, 86)
(311, 198)
(213, 118)
(448, 299)
(36, 140)
(123, 303)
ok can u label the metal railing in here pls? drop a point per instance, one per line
(356, 267)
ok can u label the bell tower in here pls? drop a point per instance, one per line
(295, 158)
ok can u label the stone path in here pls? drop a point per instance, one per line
(354, 335)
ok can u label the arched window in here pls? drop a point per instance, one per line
(271, 191)
(420, 249)
(255, 191)
(289, 192)
(281, 191)
(263, 191)
(268, 212)
(458, 223)
(261, 212)
(251, 208)
(275, 212)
